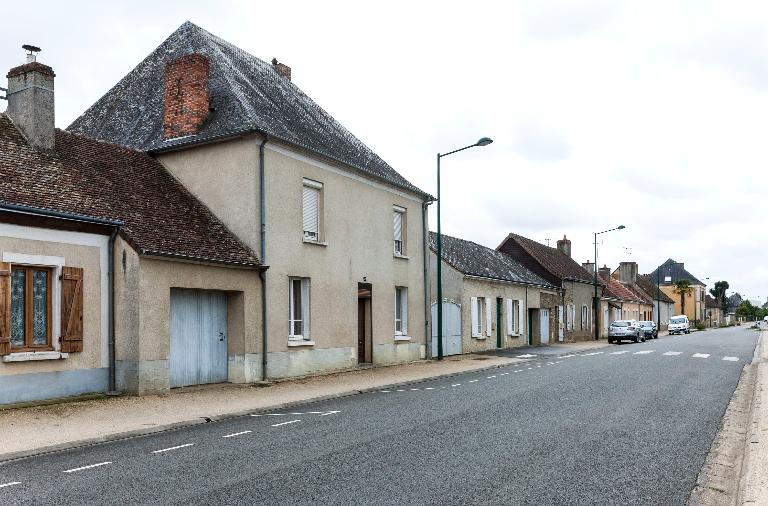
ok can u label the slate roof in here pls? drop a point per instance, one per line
(246, 95)
(474, 259)
(677, 271)
(648, 284)
(102, 180)
(551, 259)
(614, 289)
(710, 302)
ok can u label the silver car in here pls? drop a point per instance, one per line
(625, 329)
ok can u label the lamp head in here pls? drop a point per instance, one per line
(621, 227)
(484, 141)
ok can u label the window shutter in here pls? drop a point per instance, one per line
(488, 320)
(305, 306)
(404, 311)
(311, 211)
(510, 317)
(5, 308)
(521, 320)
(475, 316)
(71, 309)
(398, 223)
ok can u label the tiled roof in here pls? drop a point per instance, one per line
(639, 293)
(246, 95)
(648, 284)
(94, 178)
(711, 303)
(552, 260)
(676, 271)
(473, 259)
(614, 289)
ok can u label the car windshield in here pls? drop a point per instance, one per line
(620, 324)
(677, 320)
(646, 324)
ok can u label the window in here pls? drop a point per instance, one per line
(584, 317)
(312, 209)
(481, 316)
(513, 317)
(298, 320)
(31, 289)
(399, 230)
(401, 311)
(571, 317)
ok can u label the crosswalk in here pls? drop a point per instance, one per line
(674, 354)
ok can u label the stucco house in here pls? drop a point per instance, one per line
(490, 300)
(663, 305)
(714, 312)
(617, 302)
(669, 273)
(342, 232)
(556, 266)
(113, 276)
(627, 274)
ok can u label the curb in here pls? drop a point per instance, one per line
(120, 436)
(745, 494)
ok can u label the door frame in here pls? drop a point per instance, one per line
(499, 304)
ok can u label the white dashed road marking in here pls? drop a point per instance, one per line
(456, 385)
(3, 485)
(285, 423)
(672, 353)
(593, 353)
(490, 377)
(173, 448)
(329, 413)
(568, 356)
(644, 352)
(238, 433)
(731, 359)
(700, 355)
(473, 381)
(619, 352)
(87, 467)
(527, 355)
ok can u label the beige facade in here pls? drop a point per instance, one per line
(355, 245)
(694, 301)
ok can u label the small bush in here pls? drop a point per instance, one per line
(699, 325)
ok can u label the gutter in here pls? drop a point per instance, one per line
(263, 253)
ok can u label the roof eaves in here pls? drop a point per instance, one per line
(202, 259)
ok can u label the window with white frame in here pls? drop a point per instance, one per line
(312, 208)
(298, 306)
(401, 311)
(584, 317)
(478, 313)
(571, 317)
(398, 214)
(513, 317)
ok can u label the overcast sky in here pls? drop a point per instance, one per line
(648, 114)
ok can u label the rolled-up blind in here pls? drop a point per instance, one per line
(311, 212)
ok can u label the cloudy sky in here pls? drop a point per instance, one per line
(650, 114)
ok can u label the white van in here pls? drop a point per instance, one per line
(679, 325)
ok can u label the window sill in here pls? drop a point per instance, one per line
(480, 338)
(402, 338)
(513, 335)
(404, 257)
(316, 243)
(29, 356)
(300, 342)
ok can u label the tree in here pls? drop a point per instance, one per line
(747, 310)
(718, 292)
(684, 289)
(734, 301)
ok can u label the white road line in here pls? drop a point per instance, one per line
(275, 414)
(568, 356)
(399, 390)
(384, 391)
(285, 423)
(504, 374)
(731, 359)
(644, 352)
(238, 433)
(519, 370)
(672, 353)
(414, 389)
(456, 385)
(173, 448)
(490, 377)
(328, 413)
(700, 355)
(473, 381)
(87, 467)
(429, 388)
(527, 355)
(538, 366)
(3, 485)
(594, 353)
(530, 368)
(618, 352)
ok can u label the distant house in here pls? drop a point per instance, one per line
(490, 300)
(714, 316)
(663, 305)
(618, 301)
(556, 266)
(669, 273)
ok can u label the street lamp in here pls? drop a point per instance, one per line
(484, 141)
(596, 304)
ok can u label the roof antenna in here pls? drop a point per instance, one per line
(547, 239)
(31, 52)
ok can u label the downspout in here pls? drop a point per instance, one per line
(112, 390)
(263, 255)
(529, 337)
(427, 288)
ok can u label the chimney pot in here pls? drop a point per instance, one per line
(628, 272)
(186, 100)
(282, 69)
(31, 102)
(564, 245)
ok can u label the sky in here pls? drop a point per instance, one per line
(649, 114)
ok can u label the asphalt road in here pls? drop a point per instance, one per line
(628, 424)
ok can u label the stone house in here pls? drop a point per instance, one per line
(342, 232)
(714, 312)
(663, 305)
(109, 264)
(490, 300)
(618, 301)
(627, 274)
(669, 273)
(556, 266)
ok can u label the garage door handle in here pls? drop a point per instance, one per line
(222, 336)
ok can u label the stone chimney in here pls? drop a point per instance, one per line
(605, 271)
(282, 69)
(589, 266)
(564, 245)
(185, 102)
(30, 101)
(628, 272)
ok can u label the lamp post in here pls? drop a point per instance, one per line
(596, 304)
(484, 141)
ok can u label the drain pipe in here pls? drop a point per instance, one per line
(427, 288)
(111, 317)
(263, 253)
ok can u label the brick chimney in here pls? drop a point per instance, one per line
(605, 271)
(185, 103)
(564, 245)
(589, 266)
(30, 101)
(282, 69)
(628, 272)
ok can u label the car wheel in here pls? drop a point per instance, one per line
(642, 338)
(636, 339)
(610, 341)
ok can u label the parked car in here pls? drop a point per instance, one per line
(649, 329)
(625, 329)
(679, 325)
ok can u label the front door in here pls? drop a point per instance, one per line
(198, 337)
(544, 325)
(364, 327)
(451, 329)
